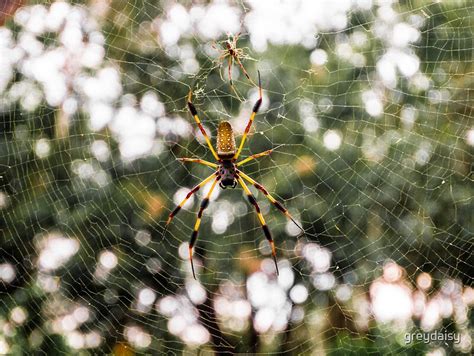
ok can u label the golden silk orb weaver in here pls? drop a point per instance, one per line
(228, 174)
(233, 54)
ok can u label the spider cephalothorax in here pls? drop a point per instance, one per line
(228, 174)
(230, 46)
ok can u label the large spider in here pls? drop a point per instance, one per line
(233, 54)
(227, 174)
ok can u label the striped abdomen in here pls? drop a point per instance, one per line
(225, 141)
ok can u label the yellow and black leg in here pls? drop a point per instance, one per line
(204, 204)
(190, 193)
(275, 202)
(193, 111)
(252, 157)
(265, 228)
(257, 105)
(198, 160)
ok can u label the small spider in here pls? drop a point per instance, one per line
(233, 54)
(228, 174)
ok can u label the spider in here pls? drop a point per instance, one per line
(228, 174)
(233, 54)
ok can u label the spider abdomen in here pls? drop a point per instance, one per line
(225, 141)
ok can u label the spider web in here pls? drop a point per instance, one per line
(368, 107)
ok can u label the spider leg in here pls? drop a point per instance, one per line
(266, 231)
(252, 116)
(223, 56)
(231, 62)
(198, 160)
(204, 204)
(193, 111)
(229, 70)
(252, 157)
(275, 202)
(220, 61)
(237, 59)
(190, 193)
(235, 39)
